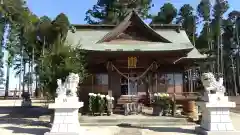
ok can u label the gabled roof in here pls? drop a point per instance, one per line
(132, 19)
(193, 54)
(170, 37)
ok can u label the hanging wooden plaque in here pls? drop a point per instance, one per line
(132, 62)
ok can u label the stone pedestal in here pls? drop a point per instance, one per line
(66, 120)
(216, 116)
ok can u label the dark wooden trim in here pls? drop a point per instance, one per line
(111, 26)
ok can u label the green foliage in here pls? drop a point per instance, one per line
(14, 10)
(39, 37)
(44, 38)
(61, 26)
(204, 10)
(114, 11)
(188, 21)
(58, 63)
(166, 14)
(3, 26)
(206, 35)
(218, 10)
(98, 103)
(202, 41)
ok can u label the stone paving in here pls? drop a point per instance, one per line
(31, 127)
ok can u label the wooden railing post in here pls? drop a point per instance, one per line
(174, 105)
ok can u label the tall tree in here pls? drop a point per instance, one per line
(56, 59)
(231, 31)
(204, 13)
(166, 14)
(61, 26)
(188, 21)
(3, 26)
(12, 47)
(114, 11)
(14, 12)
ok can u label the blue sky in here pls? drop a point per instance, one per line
(75, 10)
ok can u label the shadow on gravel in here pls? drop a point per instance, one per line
(28, 116)
(161, 129)
(24, 112)
(26, 122)
(32, 131)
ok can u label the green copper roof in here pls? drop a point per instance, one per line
(91, 37)
(88, 39)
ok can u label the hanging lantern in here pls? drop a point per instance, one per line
(132, 62)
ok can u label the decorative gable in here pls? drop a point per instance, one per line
(133, 28)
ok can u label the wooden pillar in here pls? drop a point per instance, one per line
(183, 80)
(150, 81)
(156, 76)
(191, 81)
(148, 87)
(110, 83)
(92, 77)
(174, 96)
(154, 69)
(109, 69)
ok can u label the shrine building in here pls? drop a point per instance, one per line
(134, 58)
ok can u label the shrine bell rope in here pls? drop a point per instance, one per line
(132, 78)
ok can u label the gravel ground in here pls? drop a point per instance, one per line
(33, 126)
(10, 129)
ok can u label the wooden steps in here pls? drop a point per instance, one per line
(124, 99)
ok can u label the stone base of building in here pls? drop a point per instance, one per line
(201, 131)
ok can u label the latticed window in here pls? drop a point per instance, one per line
(102, 79)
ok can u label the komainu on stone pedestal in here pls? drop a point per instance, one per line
(66, 108)
(215, 108)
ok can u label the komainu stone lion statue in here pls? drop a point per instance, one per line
(61, 91)
(211, 84)
(69, 87)
(71, 84)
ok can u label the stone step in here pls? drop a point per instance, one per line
(118, 111)
(135, 122)
(131, 120)
(142, 124)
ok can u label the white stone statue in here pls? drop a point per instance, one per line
(215, 108)
(61, 91)
(66, 119)
(211, 84)
(71, 84)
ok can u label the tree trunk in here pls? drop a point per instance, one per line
(29, 76)
(235, 84)
(32, 71)
(237, 72)
(3, 30)
(7, 80)
(22, 63)
(24, 73)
